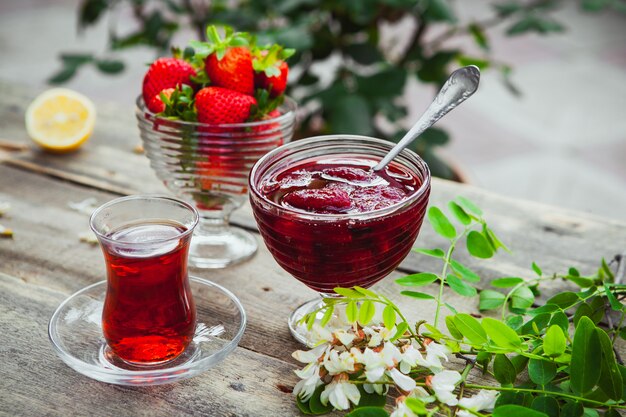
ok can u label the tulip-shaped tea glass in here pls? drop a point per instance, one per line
(149, 316)
(325, 251)
(208, 165)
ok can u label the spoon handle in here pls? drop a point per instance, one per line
(461, 84)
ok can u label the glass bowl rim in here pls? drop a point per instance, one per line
(142, 109)
(101, 237)
(331, 217)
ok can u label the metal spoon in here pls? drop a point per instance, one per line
(461, 84)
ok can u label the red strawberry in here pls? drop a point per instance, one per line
(319, 200)
(217, 105)
(156, 105)
(234, 71)
(276, 84)
(165, 73)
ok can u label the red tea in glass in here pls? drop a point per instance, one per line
(149, 316)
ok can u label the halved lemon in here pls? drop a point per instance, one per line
(60, 119)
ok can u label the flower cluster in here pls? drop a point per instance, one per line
(371, 357)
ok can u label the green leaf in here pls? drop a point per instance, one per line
(583, 310)
(501, 334)
(65, 74)
(585, 366)
(439, 11)
(541, 371)
(351, 114)
(478, 33)
(580, 281)
(494, 240)
(610, 378)
(478, 246)
(522, 298)
(328, 314)
(440, 223)
(416, 405)
(368, 412)
(460, 287)
(520, 362)
(465, 273)
(590, 412)
(503, 370)
(389, 317)
(459, 213)
(364, 53)
(417, 280)
(469, 206)
(554, 341)
(366, 312)
(594, 5)
(506, 282)
(454, 332)
(418, 295)
(435, 253)
(615, 304)
(370, 400)
(512, 410)
(400, 330)
(564, 300)
(607, 270)
(465, 60)
(315, 403)
(351, 312)
(536, 325)
(303, 406)
(537, 269)
(470, 328)
(490, 300)
(573, 409)
(545, 404)
(365, 292)
(110, 66)
(348, 292)
(612, 413)
(560, 319)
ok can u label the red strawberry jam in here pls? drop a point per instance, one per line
(331, 221)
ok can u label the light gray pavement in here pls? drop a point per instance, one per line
(563, 142)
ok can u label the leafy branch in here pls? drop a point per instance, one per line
(558, 358)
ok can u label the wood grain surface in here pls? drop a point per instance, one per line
(46, 261)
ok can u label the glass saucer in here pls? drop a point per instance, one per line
(75, 331)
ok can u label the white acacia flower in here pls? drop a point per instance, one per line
(410, 358)
(378, 334)
(484, 400)
(380, 389)
(404, 382)
(444, 384)
(310, 380)
(337, 363)
(345, 337)
(376, 363)
(340, 392)
(310, 356)
(402, 410)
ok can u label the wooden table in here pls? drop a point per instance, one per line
(45, 262)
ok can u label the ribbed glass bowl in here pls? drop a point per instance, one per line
(208, 165)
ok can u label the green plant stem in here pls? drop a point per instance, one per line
(619, 326)
(442, 278)
(539, 391)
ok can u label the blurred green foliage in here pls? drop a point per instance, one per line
(365, 76)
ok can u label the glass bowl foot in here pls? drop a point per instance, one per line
(219, 250)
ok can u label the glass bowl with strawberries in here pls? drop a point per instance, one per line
(205, 117)
(331, 221)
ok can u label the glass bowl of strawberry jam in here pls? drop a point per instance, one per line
(329, 220)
